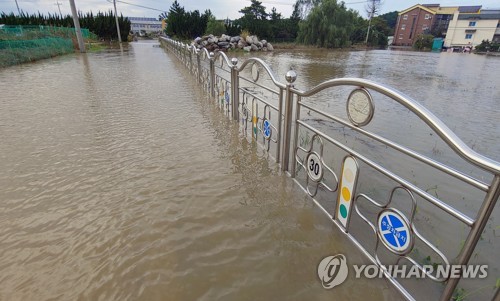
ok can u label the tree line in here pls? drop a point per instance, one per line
(324, 23)
(101, 24)
(183, 24)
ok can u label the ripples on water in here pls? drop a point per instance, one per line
(120, 181)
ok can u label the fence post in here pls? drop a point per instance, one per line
(235, 87)
(212, 74)
(483, 215)
(295, 137)
(183, 59)
(191, 59)
(198, 64)
(290, 77)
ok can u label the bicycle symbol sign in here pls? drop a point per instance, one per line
(394, 231)
(266, 129)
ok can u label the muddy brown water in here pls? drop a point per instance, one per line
(119, 179)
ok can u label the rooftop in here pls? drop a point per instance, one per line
(469, 9)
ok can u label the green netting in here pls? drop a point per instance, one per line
(17, 52)
(17, 30)
(20, 44)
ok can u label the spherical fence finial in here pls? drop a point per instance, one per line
(234, 61)
(212, 54)
(291, 76)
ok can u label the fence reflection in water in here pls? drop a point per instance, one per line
(330, 156)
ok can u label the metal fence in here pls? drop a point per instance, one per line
(375, 189)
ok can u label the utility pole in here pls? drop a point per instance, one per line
(117, 24)
(58, 6)
(18, 10)
(372, 8)
(78, 31)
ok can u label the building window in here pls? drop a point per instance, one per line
(468, 36)
(425, 27)
(403, 27)
(472, 23)
(400, 37)
(405, 17)
(427, 16)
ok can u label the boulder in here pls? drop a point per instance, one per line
(241, 44)
(211, 47)
(225, 42)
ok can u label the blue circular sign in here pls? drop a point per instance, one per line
(394, 231)
(266, 129)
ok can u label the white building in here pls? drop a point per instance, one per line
(144, 25)
(472, 29)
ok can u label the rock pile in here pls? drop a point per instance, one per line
(225, 42)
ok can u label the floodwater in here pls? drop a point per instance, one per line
(120, 180)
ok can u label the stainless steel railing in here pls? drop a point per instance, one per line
(298, 133)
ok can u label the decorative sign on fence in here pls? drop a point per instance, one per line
(360, 108)
(347, 189)
(266, 129)
(394, 231)
(314, 167)
(254, 118)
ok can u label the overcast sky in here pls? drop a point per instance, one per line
(220, 8)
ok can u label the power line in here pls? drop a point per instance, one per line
(284, 3)
(137, 5)
(357, 2)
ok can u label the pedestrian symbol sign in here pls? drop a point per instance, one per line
(394, 231)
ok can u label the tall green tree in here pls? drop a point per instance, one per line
(101, 24)
(304, 7)
(215, 27)
(329, 25)
(391, 18)
(255, 11)
(185, 24)
(255, 20)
